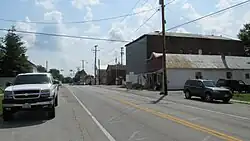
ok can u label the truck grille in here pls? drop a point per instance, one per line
(23, 96)
(26, 92)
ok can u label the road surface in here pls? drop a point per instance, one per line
(88, 113)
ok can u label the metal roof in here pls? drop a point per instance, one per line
(205, 61)
(189, 35)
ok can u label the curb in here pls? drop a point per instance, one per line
(238, 101)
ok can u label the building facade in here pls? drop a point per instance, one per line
(181, 67)
(116, 74)
(138, 51)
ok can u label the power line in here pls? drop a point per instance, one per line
(80, 22)
(66, 36)
(197, 23)
(208, 15)
(147, 20)
(131, 10)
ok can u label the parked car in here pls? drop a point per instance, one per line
(234, 85)
(30, 91)
(206, 90)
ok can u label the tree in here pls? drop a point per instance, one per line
(40, 68)
(244, 36)
(67, 80)
(56, 74)
(13, 59)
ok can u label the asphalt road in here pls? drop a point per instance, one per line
(87, 113)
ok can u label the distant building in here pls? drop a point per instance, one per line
(139, 50)
(102, 75)
(116, 72)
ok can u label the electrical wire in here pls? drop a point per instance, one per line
(66, 36)
(81, 22)
(147, 20)
(197, 24)
(131, 10)
(208, 15)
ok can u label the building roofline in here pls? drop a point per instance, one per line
(142, 36)
(197, 36)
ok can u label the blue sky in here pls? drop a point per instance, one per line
(66, 53)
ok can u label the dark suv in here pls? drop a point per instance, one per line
(207, 90)
(234, 85)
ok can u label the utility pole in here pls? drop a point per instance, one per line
(116, 71)
(83, 64)
(122, 52)
(165, 85)
(46, 65)
(99, 71)
(95, 51)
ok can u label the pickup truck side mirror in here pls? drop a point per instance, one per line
(8, 84)
(55, 82)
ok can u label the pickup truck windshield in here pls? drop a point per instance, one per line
(31, 79)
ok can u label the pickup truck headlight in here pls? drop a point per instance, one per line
(45, 93)
(8, 95)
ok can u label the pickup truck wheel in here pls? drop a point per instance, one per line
(51, 113)
(56, 101)
(7, 115)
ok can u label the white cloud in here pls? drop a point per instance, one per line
(53, 16)
(46, 4)
(81, 3)
(28, 39)
(181, 30)
(89, 14)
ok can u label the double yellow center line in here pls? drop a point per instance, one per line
(178, 120)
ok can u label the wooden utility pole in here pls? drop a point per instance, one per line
(116, 71)
(95, 52)
(99, 71)
(165, 85)
(122, 52)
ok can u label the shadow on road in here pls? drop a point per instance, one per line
(214, 101)
(24, 119)
(158, 100)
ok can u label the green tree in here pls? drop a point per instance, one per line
(67, 80)
(244, 35)
(40, 68)
(56, 74)
(13, 59)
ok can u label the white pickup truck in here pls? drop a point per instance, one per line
(30, 91)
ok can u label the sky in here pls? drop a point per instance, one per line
(58, 17)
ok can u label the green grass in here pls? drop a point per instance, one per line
(242, 97)
(1, 97)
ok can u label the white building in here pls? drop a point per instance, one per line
(181, 67)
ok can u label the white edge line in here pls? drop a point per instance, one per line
(107, 134)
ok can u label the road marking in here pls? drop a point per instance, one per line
(106, 133)
(206, 138)
(202, 109)
(173, 102)
(178, 120)
(196, 118)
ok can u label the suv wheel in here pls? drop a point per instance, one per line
(187, 95)
(226, 100)
(208, 97)
(51, 112)
(7, 115)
